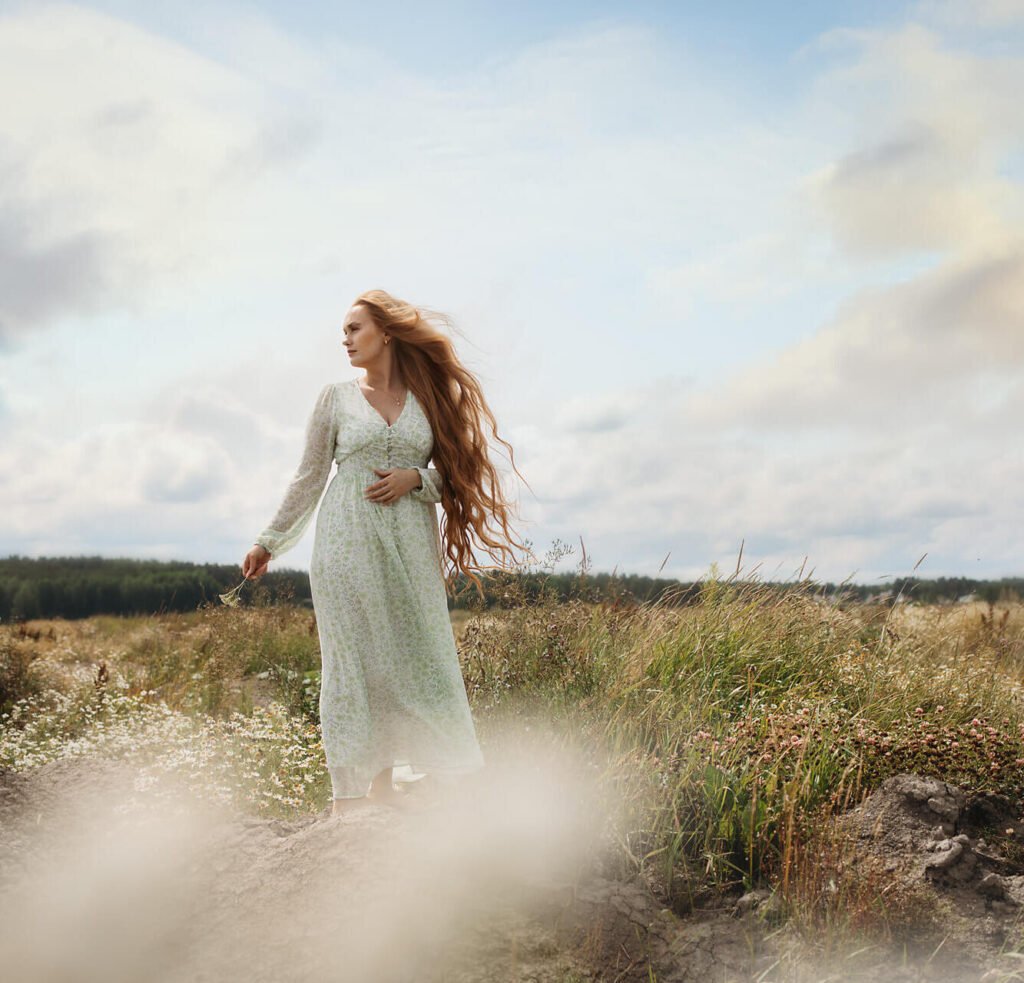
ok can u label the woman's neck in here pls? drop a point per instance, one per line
(388, 380)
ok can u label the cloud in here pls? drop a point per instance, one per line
(869, 506)
(174, 470)
(909, 352)
(105, 194)
(926, 179)
(911, 191)
(45, 272)
(612, 203)
(180, 471)
(41, 281)
(935, 131)
(884, 433)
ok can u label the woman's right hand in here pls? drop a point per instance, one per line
(255, 562)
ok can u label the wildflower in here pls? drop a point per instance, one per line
(231, 597)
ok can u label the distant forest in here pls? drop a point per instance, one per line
(80, 586)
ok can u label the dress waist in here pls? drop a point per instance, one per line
(361, 472)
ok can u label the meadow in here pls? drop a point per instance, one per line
(727, 730)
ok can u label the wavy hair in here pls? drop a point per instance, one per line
(471, 496)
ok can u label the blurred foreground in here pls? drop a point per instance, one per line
(670, 792)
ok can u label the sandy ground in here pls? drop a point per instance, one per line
(496, 879)
(97, 882)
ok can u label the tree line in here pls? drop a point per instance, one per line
(80, 586)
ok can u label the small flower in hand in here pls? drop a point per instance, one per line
(231, 597)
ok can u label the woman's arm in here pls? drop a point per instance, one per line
(429, 489)
(306, 487)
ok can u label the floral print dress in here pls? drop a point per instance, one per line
(392, 693)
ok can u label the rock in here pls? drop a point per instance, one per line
(993, 886)
(924, 824)
(964, 870)
(751, 900)
(954, 860)
(945, 806)
(771, 910)
(912, 786)
(946, 859)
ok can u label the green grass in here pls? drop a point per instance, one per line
(725, 732)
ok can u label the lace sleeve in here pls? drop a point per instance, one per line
(307, 485)
(430, 486)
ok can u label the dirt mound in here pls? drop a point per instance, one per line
(494, 883)
(930, 835)
(925, 837)
(98, 881)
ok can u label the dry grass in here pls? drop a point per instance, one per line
(724, 731)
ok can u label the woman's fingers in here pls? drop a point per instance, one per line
(253, 567)
(380, 491)
(386, 491)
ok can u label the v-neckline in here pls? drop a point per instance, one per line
(380, 416)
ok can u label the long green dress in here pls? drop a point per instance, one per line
(392, 692)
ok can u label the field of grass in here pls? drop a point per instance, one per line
(726, 731)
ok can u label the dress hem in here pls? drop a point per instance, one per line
(415, 767)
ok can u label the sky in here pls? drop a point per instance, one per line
(729, 274)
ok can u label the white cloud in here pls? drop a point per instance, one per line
(911, 351)
(933, 127)
(914, 191)
(122, 157)
(889, 432)
(580, 187)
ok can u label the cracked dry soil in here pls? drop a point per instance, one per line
(473, 887)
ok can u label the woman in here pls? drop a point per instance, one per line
(392, 692)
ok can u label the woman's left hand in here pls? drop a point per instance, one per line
(395, 483)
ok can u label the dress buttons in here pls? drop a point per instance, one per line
(387, 445)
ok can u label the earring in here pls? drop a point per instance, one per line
(386, 339)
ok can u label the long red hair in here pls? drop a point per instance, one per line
(472, 498)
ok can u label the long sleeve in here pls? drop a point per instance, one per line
(430, 486)
(306, 487)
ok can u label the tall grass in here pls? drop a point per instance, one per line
(725, 732)
(732, 728)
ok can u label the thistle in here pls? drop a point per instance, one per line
(231, 597)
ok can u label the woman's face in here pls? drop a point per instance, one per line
(363, 340)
